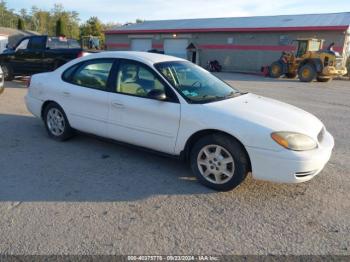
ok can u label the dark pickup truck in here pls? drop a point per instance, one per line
(37, 54)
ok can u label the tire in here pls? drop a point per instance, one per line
(276, 69)
(56, 123)
(8, 72)
(212, 171)
(291, 75)
(307, 73)
(323, 79)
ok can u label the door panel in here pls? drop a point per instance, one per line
(137, 119)
(86, 108)
(144, 122)
(84, 95)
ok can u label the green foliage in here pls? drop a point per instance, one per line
(8, 18)
(348, 65)
(93, 27)
(46, 22)
(60, 27)
(20, 24)
(41, 21)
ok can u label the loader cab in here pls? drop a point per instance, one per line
(308, 45)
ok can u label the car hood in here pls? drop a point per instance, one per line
(270, 114)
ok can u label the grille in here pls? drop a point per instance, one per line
(320, 135)
(339, 63)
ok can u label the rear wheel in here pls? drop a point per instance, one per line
(8, 72)
(56, 123)
(276, 69)
(307, 73)
(323, 79)
(219, 162)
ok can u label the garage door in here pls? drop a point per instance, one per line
(176, 47)
(141, 45)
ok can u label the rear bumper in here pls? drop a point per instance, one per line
(2, 80)
(33, 105)
(290, 166)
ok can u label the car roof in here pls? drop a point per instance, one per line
(145, 57)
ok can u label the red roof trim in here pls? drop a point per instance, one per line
(207, 30)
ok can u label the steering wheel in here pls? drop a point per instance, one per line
(197, 82)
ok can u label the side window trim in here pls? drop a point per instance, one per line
(82, 64)
(172, 99)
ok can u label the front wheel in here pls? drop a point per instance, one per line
(56, 122)
(8, 72)
(219, 162)
(307, 73)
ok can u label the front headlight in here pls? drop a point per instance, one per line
(294, 141)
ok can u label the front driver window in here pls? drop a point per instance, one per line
(23, 45)
(136, 79)
(93, 74)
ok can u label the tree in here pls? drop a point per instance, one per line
(139, 21)
(93, 27)
(20, 24)
(60, 30)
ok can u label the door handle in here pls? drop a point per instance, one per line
(117, 105)
(65, 93)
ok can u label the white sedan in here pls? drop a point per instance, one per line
(172, 106)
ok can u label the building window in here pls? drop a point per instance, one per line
(284, 40)
(230, 40)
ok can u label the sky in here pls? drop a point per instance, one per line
(129, 10)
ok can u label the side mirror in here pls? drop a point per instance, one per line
(157, 94)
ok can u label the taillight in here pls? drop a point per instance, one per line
(80, 54)
(28, 81)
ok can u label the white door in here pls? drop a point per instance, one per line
(143, 45)
(137, 119)
(176, 47)
(85, 96)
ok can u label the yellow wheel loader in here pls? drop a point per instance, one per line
(310, 62)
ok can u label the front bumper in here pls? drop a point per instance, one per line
(332, 71)
(288, 166)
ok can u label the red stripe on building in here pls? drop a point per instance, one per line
(118, 45)
(158, 46)
(278, 48)
(249, 47)
(219, 30)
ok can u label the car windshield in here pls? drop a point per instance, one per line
(194, 83)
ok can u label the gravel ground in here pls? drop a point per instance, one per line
(88, 196)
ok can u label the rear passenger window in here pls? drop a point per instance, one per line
(93, 74)
(37, 42)
(68, 73)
